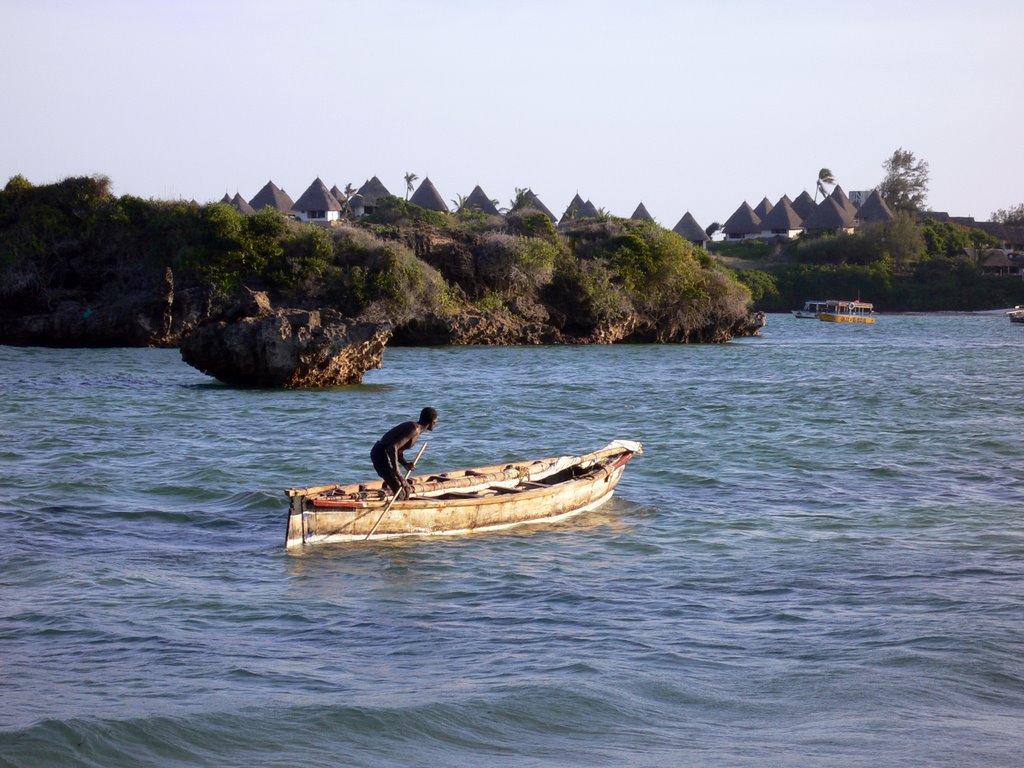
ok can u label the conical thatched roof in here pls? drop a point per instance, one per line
(782, 216)
(844, 202)
(427, 196)
(743, 222)
(242, 205)
(372, 191)
(804, 204)
(271, 196)
(763, 208)
(338, 194)
(588, 211)
(317, 197)
(828, 215)
(532, 201)
(689, 229)
(573, 209)
(479, 200)
(226, 199)
(874, 208)
(641, 214)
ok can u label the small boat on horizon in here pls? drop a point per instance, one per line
(464, 501)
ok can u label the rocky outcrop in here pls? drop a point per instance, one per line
(288, 348)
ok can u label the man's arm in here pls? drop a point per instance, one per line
(407, 440)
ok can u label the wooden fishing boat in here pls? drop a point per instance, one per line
(462, 501)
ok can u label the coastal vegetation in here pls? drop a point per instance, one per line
(603, 279)
(908, 264)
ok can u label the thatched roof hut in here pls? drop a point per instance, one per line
(427, 196)
(479, 200)
(372, 191)
(530, 200)
(763, 208)
(874, 209)
(272, 196)
(641, 214)
(572, 211)
(242, 205)
(828, 215)
(804, 205)
(844, 202)
(743, 223)
(782, 220)
(317, 197)
(688, 228)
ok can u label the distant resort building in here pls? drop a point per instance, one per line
(427, 196)
(744, 224)
(641, 214)
(782, 221)
(480, 201)
(530, 201)
(844, 202)
(317, 204)
(365, 200)
(873, 209)
(803, 205)
(829, 216)
(688, 228)
(271, 196)
(788, 219)
(572, 211)
(577, 210)
(763, 208)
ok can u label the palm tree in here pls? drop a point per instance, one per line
(523, 198)
(460, 202)
(410, 179)
(824, 177)
(346, 196)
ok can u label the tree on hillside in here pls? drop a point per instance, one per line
(410, 179)
(1014, 215)
(714, 227)
(905, 186)
(824, 177)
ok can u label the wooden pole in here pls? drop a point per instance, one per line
(407, 475)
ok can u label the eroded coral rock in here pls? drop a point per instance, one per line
(287, 348)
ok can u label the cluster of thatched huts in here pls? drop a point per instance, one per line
(319, 204)
(788, 218)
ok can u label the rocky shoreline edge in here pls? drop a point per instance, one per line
(243, 340)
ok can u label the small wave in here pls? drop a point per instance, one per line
(434, 732)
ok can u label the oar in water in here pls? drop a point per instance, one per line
(407, 476)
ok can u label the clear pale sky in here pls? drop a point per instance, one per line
(685, 105)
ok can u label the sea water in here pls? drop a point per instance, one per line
(819, 560)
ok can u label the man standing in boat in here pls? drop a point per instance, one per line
(388, 452)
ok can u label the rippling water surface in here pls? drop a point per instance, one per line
(819, 560)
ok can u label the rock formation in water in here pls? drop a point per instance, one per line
(257, 346)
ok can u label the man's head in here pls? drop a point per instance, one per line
(428, 418)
